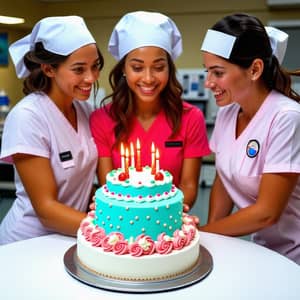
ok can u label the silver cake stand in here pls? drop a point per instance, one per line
(201, 269)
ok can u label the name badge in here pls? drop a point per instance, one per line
(65, 156)
(172, 144)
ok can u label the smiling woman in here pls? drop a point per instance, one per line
(256, 135)
(146, 103)
(46, 135)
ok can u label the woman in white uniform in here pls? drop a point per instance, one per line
(256, 139)
(46, 135)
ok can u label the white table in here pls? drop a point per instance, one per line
(34, 270)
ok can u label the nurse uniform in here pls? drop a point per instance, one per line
(269, 144)
(37, 127)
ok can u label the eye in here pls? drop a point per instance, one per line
(137, 68)
(159, 68)
(96, 67)
(78, 70)
(218, 73)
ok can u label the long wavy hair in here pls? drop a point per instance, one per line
(252, 42)
(122, 106)
(37, 81)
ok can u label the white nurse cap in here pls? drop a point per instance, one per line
(278, 40)
(140, 29)
(59, 35)
(221, 44)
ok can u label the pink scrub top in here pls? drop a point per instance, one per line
(190, 142)
(37, 127)
(269, 144)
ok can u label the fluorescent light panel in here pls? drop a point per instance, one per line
(11, 20)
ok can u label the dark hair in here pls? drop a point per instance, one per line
(252, 42)
(37, 80)
(122, 104)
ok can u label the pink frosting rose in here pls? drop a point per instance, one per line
(179, 240)
(121, 247)
(164, 244)
(110, 240)
(135, 249)
(87, 232)
(97, 236)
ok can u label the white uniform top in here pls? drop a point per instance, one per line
(269, 144)
(36, 126)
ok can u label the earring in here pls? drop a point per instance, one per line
(124, 75)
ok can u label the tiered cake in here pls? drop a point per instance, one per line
(138, 230)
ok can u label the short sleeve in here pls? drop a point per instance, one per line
(102, 129)
(283, 146)
(196, 141)
(24, 132)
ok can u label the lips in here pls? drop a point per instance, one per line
(85, 90)
(147, 90)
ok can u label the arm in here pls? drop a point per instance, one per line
(274, 193)
(220, 203)
(105, 165)
(189, 180)
(39, 182)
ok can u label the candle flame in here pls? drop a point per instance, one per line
(152, 147)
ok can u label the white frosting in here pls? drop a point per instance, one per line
(156, 198)
(146, 267)
(138, 178)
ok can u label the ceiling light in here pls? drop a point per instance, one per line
(11, 20)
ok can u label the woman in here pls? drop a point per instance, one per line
(46, 135)
(256, 135)
(146, 103)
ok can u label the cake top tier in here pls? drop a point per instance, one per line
(139, 183)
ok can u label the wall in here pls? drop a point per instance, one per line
(192, 17)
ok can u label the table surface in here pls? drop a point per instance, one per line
(34, 269)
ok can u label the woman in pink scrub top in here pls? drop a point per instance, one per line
(46, 135)
(256, 138)
(147, 105)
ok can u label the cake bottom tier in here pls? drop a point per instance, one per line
(127, 267)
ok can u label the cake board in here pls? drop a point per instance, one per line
(202, 268)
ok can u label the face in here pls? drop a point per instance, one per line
(228, 82)
(74, 78)
(147, 72)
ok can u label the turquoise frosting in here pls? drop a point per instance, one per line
(133, 218)
(140, 191)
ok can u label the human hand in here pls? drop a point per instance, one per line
(196, 219)
(92, 204)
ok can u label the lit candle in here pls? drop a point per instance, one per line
(126, 160)
(157, 160)
(138, 155)
(153, 159)
(131, 154)
(122, 157)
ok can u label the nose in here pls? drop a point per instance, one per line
(91, 76)
(208, 83)
(148, 76)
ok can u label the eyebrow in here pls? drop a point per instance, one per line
(141, 61)
(215, 67)
(84, 63)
